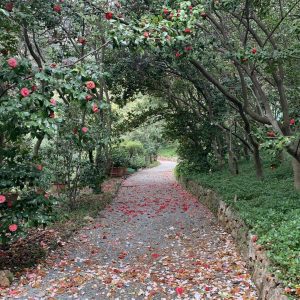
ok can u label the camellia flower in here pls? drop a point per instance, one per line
(88, 97)
(108, 15)
(34, 88)
(155, 255)
(52, 115)
(12, 62)
(2, 198)
(95, 108)
(84, 129)
(292, 122)
(81, 40)
(90, 85)
(146, 34)
(9, 204)
(57, 8)
(13, 227)
(187, 30)
(53, 102)
(166, 11)
(39, 167)
(178, 54)
(25, 92)
(254, 51)
(9, 6)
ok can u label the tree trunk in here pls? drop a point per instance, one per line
(258, 162)
(296, 168)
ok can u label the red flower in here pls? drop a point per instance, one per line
(39, 167)
(9, 6)
(191, 7)
(34, 88)
(57, 8)
(155, 255)
(254, 50)
(207, 288)
(188, 48)
(46, 195)
(90, 85)
(178, 54)
(25, 92)
(292, 122)
(109, 15)
(84, 129)
(187, 30)
(9, 204)
(12, 62)
(179, 291)
(203, 15)
(13, 227)
(52, 115)
(146, 34)
(53, 102)
(82, 41)
(88, 97)
(95, 108)
(166, 11)
(2, 198)
(254, 238)
(53, 65)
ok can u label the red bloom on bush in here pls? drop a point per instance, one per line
(84, 129)
(25, 92)
(155, 255)
(292, 122)
(254, 51)
(9, 6)
(12, 62)
(108, 15)
(57, 8)
(187, 30)
(39, 167)
(2, 198)
(53, 102)
(9, 204)
(146, 34)
(53, 65)
(34, 88)
(95, 108)
(271, 134)
(82, 41)
(90, 85)
(52, 115)
(204, 15)
(166, 11)
(188, 48)
(88, 97)
(177, 54)
(13, 227)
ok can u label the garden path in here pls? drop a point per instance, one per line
(155, 241)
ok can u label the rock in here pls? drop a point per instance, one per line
(6, 278)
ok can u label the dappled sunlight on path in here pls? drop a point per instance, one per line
(155, 241)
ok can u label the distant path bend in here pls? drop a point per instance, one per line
(155, 241)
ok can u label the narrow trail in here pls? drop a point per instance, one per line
(155, 241)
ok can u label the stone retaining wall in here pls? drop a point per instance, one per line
(256, 258)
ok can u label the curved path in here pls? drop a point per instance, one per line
(154, 242)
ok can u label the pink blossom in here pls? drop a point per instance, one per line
(13, 227)
(53, 102)
(84, 129)
(25, 92)
(12, 62)
(90, 85)
(2, 198)
(95, 108)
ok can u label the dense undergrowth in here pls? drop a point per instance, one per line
(271, 209)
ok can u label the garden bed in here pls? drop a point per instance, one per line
(270, 209)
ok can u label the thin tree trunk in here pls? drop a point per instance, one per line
(296, 168)
(258, 162)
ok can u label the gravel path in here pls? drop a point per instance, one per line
(156, 241)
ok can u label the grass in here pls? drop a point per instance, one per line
(271, 209)
(168, 151)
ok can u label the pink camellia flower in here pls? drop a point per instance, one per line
(155, 255)
(177, 54)
(81, 40)
(166, 11)
(12, 62)
(292, 122)
(39, 167)
(90, 85)
(2, 198)
(46, 195)
(88, 97)
(108, 15)
(53, 102)
(254, 51)
(95, 108)
(25, 92)
(187, 30)
(188, 48)
(34, 88)
(84, 129)
(57, 8)
(13, 227)
(146, 34)
(9, 6)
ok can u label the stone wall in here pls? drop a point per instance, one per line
(256, 258)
